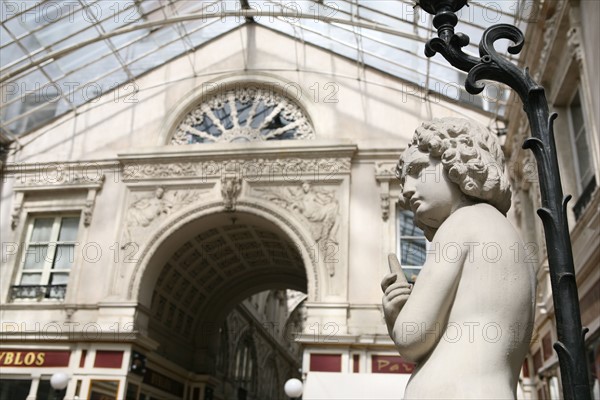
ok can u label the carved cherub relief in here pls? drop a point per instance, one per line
(317, 205)
(148, 208)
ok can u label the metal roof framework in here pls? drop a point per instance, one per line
(59, 54)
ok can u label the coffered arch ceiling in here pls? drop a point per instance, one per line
(230, 258)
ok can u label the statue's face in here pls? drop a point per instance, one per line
(427, 190)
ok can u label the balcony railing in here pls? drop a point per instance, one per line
(38, 291)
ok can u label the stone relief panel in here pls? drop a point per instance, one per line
(146, 210)
(247, 169)
(550, 27)
(231, 181)
(316, 207)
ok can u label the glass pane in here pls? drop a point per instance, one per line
(224, 115)
(261, 113)
(4, 37)
(31, 279)
(44, 390)
(576, 114)
(35, 256)
(59, 279)
(132, 392)
(42, 229)
(407, 225)
(583, 158)
(11, 53)
(68, 229)
(63, 258)
(14, 388)
(412, 251)
(103, 390)
(39, 117)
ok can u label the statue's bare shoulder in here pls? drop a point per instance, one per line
(477, 222)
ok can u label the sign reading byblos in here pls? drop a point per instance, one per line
(34, 358)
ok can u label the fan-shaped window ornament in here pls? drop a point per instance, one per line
(244, 115)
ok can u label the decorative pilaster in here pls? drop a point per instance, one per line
(384, 174)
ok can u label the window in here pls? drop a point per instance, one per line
(19, 389)
(586, 182)
(412, 245)
(244, 114)
(245, 365)
(48, 258)
(223, 355)
(14, 389)
(583, 159)
(272, 385)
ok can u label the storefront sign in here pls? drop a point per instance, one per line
(391, 365)
(34, 358)
(325, 362)
(108, 359)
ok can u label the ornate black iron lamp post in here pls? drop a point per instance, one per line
(491, 66)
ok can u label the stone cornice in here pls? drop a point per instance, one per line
(60, 181)
(205, 162)
(380, 154)
(385, 171)
(85, 177)
(253, 169)
(245, 151)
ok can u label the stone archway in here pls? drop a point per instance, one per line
(159, 248)
(204, 262)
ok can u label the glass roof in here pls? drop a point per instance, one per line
(58, 55)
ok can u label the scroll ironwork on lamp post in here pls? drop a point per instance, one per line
(492, 66)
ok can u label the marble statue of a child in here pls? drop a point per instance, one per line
(467, 322)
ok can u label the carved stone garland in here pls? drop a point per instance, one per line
(244, 115)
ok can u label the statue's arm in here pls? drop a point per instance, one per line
(422, 320)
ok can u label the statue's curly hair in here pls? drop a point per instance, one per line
(471, 156)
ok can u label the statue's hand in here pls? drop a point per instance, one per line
(396, 290)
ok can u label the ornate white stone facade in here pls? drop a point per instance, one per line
(173, 237)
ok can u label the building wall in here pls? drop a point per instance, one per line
(113, 152)
(362, 119)
(561, 56)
